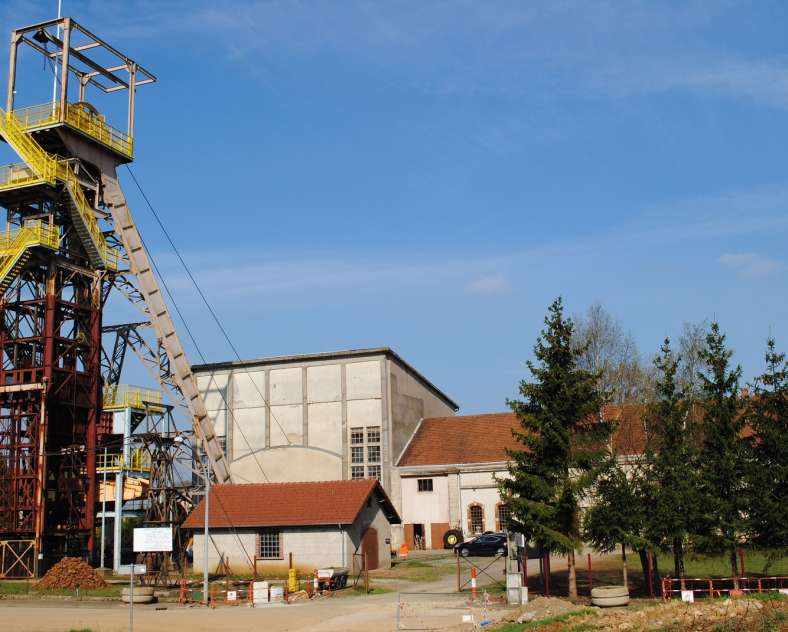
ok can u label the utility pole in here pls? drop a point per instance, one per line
(205, 535)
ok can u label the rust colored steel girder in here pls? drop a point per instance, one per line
(50, 337)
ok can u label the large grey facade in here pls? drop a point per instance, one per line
(324, 416)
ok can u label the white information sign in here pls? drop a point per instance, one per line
(688, 596)
(152, 540)
(125, 569)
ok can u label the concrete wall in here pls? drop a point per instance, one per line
(425, 507)
(303, 433)
(374, 516)
(453, 492)
(312, 547)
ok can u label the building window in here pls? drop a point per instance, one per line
(356, 455)
(476, 519)
(365, 451)
(269, 548)
(503, 516)
(424, 484)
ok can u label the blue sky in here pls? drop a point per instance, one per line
(430, 175)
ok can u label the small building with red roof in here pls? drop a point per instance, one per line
(321, 523)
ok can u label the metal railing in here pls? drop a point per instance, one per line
(50, 168)
(18, 174)
(124, 396)
(94, 125)
(138, 461)
(13, 244)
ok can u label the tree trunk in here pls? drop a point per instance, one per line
(570, 562)
(624, 563)
(734, 568)
(678, 560)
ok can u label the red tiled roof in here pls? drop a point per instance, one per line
(289, 504)
(485, 438)
(461, 439)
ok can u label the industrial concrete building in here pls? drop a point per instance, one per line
(324, 416)
(321, 524)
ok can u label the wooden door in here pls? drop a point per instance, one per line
(369, 547)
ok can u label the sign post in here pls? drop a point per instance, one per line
(146, 540)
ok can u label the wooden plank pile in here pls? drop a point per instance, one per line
(71, 572)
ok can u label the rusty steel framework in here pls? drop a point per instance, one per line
(70, 240)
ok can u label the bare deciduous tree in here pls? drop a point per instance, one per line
(692, 345)
(613, 352)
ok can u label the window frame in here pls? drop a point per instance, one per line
(420, 487)
(259, 547)
(471, 507)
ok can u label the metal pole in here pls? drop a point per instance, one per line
(131, 597)
(54, 65)
(104, 508)
(205, 537)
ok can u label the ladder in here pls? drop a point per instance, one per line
(162, 324)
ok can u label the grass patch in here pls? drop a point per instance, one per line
(25, 588)
(755, 563)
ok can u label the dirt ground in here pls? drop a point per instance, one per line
(419, 595)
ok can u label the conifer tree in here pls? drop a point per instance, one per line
(671, 456)
(563, 442)
(767, 416)
(722, 462)
(617, 515)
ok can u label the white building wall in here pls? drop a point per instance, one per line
(312, 547)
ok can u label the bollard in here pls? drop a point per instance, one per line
(473, 582)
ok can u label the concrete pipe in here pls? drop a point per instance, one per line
(608, 596)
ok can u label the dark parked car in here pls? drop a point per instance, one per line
(487, 544)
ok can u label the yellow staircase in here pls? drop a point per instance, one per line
(51, 169)
(15, 248)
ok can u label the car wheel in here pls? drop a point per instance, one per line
(501, 551)
(465, 552)
(452, 538)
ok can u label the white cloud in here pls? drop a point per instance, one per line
(492, 284)
(750, 265)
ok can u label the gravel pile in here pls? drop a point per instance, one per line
(71, 572)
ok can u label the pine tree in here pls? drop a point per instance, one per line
(670, 456)
(617, 515)
(767, 416)
(722, 463)
(563, 443)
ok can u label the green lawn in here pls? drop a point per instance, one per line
(755, 563)
(24, 587)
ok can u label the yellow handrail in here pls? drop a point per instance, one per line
(49, 168)
(13, 244)
(124, 396)
(94, 125)
(138, 461)
(18, 174)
